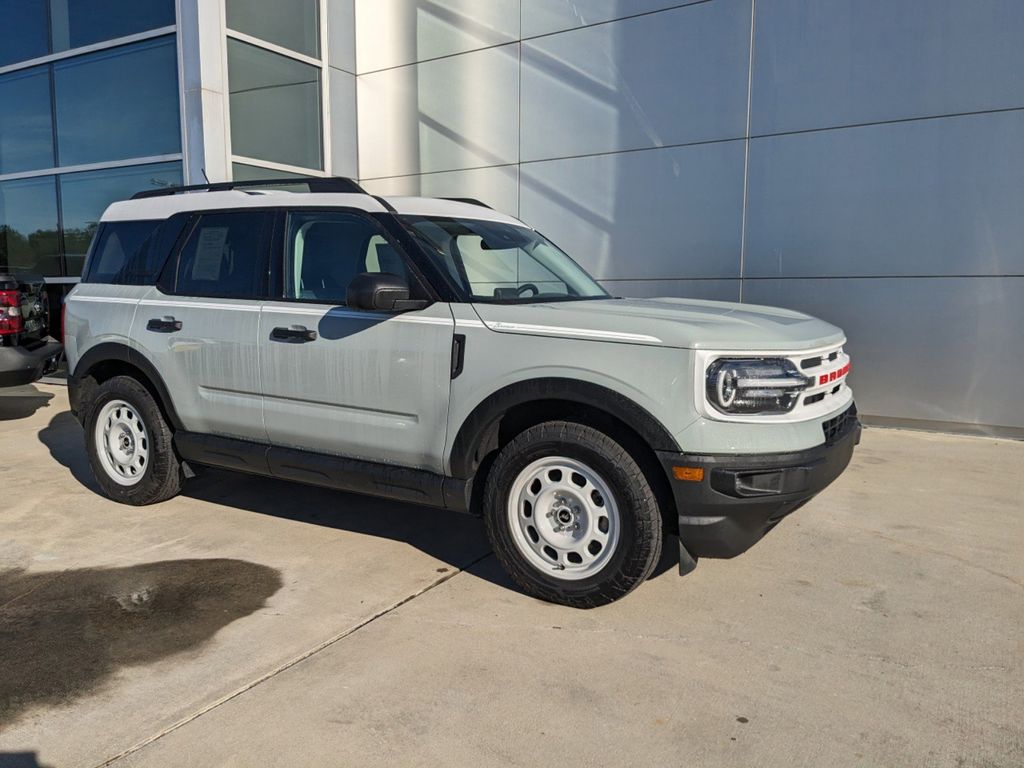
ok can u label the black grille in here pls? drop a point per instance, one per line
(838, 424)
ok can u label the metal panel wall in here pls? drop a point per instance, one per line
(862, 160)
(391, 33)
(498, 185)
(541, 17)
(928, 197)
(663, 214)
(940, 350)
(823, 63)
(442, 115)
(610, 87)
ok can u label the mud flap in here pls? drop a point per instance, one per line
(687, 562)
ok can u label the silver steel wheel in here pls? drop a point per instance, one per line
(122, 442)
(563, 518)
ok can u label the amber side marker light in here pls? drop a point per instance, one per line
(690, 474)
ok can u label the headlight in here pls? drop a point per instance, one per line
(754, 385)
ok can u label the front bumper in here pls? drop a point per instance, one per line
(23, 365)
(743, 496)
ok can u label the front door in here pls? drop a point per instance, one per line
(365, 385)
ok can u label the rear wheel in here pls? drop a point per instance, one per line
(571, 515)
(129, 444)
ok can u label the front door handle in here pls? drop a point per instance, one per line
(293, 334)
(166, 324)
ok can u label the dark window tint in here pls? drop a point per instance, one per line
(118, 104)
(119, 251)
(326, 250)
(26, 123)
(84, 22)
(22, 30)
(133, 252)
(223, 256)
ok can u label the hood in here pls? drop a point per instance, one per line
(685, 323)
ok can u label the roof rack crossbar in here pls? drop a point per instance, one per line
(314, 183)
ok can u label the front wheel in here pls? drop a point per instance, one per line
(571, 516)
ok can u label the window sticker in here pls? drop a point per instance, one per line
(209, 253)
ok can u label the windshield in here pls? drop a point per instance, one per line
(498, 262)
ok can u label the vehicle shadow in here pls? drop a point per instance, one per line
(457, 539)
(21, 402)
(64, 440)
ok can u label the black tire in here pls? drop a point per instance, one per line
(639, 541)
(162, 476)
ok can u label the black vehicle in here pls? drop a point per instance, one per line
(26, 350)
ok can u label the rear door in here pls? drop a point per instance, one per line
(366, 385)
(200, 325)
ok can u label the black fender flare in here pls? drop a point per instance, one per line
(114, 351)
(488, 412)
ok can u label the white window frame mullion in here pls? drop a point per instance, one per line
(325, 89)
(226, 94)
(182, 124)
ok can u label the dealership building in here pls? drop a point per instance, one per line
(860, 160)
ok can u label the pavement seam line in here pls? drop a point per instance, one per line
(289, 664)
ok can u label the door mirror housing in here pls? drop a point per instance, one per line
(381, 292)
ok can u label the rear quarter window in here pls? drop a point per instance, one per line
(131, 252)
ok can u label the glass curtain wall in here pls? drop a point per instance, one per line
(81, 130)
(275, 77)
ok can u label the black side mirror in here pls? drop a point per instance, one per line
(381, 292)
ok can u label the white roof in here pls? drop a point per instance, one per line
(168, 205)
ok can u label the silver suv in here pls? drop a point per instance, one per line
(442, 353)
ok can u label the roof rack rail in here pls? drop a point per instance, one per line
(468, 201)
(314, 184)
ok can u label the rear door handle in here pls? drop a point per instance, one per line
(165, 324)
(293, 334)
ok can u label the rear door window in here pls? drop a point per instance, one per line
(224, 255)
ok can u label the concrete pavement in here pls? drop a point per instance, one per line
(252, 621)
